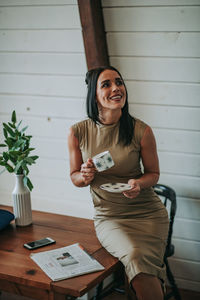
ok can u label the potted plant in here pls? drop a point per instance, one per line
(16, 158)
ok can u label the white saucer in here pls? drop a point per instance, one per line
(115, 187)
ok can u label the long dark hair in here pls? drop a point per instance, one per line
(126, 126)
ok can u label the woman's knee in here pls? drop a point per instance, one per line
(147, 285)
(144, 278)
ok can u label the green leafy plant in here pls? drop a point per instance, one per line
(16, 158)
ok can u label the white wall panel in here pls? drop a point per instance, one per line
(64, 205)
(186, 249)
(48, 17)
(186, 164)
(180, 44)
(36, 2)
(185, 186)
(188, 284)
(48, 168)
(158, 69)
(54, 40)
(185, 141)
(188, 208)
(45, 126)
(105, 3)
(163, 93)
(185, 269)
(51, 168)
(38, 63)
(48, 85)
(186, 229)
(152, 18)
(168, 116)
(51, 148)
(129, 3)
(59, 107)
(54, 188)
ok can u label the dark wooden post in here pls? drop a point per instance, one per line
(93, 33)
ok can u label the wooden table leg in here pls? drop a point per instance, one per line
(56, 296)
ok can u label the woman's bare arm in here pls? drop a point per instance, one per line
(151, 165)
(81, 173)
(149, 159)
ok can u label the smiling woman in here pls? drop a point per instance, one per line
(131, 224)
(94, 78)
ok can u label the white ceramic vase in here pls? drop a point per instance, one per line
(21, 203)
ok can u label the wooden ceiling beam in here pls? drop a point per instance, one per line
(93, 31)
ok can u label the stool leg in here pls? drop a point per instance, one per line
(171, 279)
(98, 291)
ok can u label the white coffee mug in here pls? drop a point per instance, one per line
(103, 161)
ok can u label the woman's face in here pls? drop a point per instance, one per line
(110, 91)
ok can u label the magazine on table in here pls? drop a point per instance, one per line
(66, 262)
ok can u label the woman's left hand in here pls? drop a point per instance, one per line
(134, 192)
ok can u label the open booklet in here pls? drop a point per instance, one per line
(66, 262)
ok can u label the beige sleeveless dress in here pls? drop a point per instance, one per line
(134, 230)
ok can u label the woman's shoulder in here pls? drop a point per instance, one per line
(139, 129)
(140, 124)
(80, 128)
(83, 123)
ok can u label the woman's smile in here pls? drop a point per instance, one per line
(116, 98)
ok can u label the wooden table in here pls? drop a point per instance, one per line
(20, 275)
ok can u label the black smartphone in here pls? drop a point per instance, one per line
(39, 243)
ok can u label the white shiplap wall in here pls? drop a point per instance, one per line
(42, 70)
(156, 46)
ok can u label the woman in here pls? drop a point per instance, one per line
(132, 225)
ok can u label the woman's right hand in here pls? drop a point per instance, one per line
(88, 171)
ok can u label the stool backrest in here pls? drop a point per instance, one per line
(169, 195)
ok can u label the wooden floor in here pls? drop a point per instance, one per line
(185, 295)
